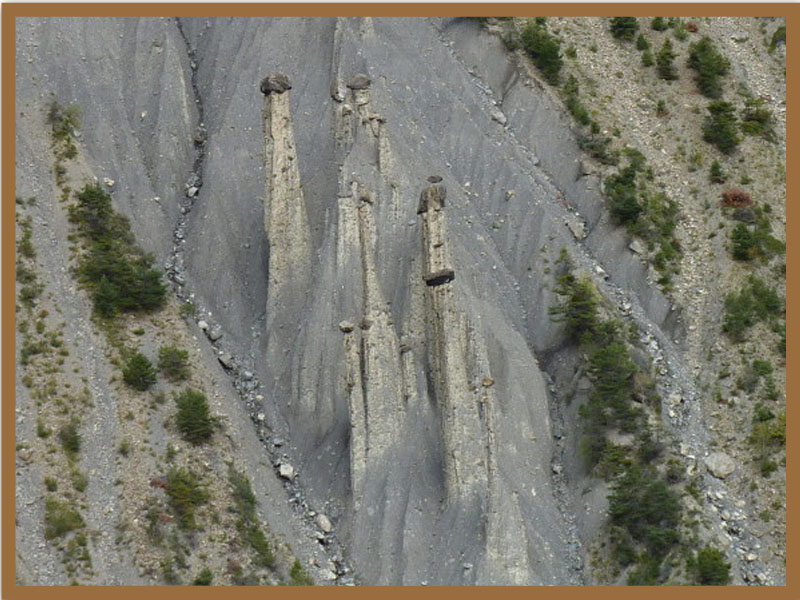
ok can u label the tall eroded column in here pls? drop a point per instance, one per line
(285, 217)
(465, 460)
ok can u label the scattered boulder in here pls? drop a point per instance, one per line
(487, 381)
(577, 228)
(434, 179)
(25, 454)
(202, 325)
(276, 83)
(215, 333)
(346, 326)
(109, 182)
(720, 465)
(286, 471)
(497, 115)
(745, 215)
(226, 360)
(360, 81)
(637, 247)
(324, 523)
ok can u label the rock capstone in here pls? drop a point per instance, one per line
(277, 83)
(360, 81)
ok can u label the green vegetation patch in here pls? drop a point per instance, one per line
(60, 519)
(720, 128)
(623, 28)
(120, 276)
(138, 372)
(709, 65)
(709, 567)
(544, 50)
(664, 62)
(755, 302)
(185, 494)
(299, 575)
(193, 419)
(245, 506)
(757, 120)
(173, 363)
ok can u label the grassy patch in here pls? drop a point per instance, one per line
(173, 363)
(755, 302)
(299, 575)
(185, 494)
(60, 518)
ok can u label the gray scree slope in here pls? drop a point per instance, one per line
(393, 322)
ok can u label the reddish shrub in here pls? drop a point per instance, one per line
(736, 197)
(691, 26)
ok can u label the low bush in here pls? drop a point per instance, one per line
(622, 192)
(755, 302)
(578, 310)
(709, 567)
(185, 493)
(544, 50)
(716, 174)
(720, 127)
(173, 363)
(757, 120)
(659, 24)
(735, 197)
(648, 509)
(666, 69)
(299, 575)
(118, 273)
(642, 43)
(245, 506)
(623, 28)
(204, 577)
(138, 372)
(573, 102)
(709, 65)
(598, 147)
(60, 518)
(70, 437)
(193, 419)
(779, 37)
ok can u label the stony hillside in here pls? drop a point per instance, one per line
(391, 301)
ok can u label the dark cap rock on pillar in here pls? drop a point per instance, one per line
(360, 81)
(276, 83)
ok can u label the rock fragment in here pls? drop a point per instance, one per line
(720, 465)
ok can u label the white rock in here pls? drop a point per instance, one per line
(202, 325)
(286, 471)
(497, 115)
(108, 181)
(637, 246)
(720, 464)
(324, 523)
